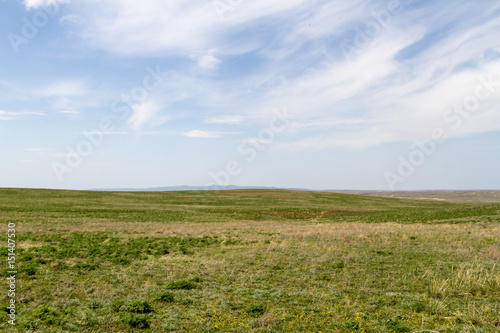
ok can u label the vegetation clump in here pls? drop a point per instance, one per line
(46, 313)
(256, 309)
(180, 285)
(165, 296)
(138, 306)
(136, 320)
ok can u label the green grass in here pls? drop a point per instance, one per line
(251, 261)
(72, 207)
(460, 196)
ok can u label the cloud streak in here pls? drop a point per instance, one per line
(265, 54)
(10, 115)
(33, 4)
(205, 134)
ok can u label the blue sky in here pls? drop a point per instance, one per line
(359, 94)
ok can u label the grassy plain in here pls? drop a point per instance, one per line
(251, 261)
(463, 196)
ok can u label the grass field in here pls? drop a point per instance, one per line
(462, 196)
(251, 261)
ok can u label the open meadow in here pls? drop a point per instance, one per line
(250, 261)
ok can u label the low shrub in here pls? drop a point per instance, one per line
(46, 313)
(256, 309)
(116, 305)
(398, 326)
(136, 321)
(180, 285)
(166, 296)
(138, 306)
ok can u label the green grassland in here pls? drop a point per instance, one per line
(464, 196)
(251, 261)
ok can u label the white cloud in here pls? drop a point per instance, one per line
(392, 116)
(396, 88)
(33, 4)
(9, 115)
(103, 133)
(205, 134)
(390, 94)
(62, 89)
(229, 119)
(353, 140)
(69, 112)
(206, 60)
(154, 133)
(202, 134)
(143, 28)
(157, 27)
(145, 113)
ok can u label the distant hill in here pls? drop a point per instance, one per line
(191, 188)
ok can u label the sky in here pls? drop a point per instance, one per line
(347, 95)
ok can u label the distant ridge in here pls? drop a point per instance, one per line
(195, 188)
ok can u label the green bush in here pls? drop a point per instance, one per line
(166, 296)
(116, 305)
(46, 313)
(398, 326)
(256, 310)
(136, 321)
(138, 306)
(195, 279)
(180, 285)
(29, 270)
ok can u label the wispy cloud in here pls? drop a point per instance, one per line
(104, 133)
(227, 119)
(205, 134)
(130, 27)
(69, 112)
(202, 134)
(145, 113)
(9, 115)
(396, 87)
(65, 88)
(206, 60)
(33, 4)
